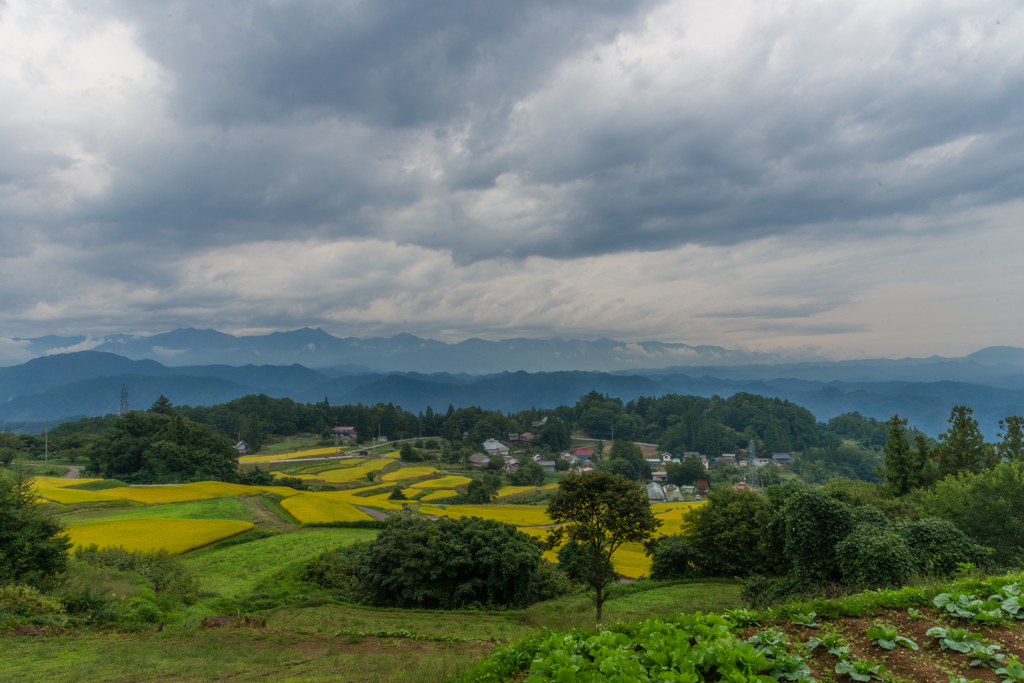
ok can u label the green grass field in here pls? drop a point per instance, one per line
(214, 508)
(237, 569)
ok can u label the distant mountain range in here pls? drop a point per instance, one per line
(52, 387)
(400, 353)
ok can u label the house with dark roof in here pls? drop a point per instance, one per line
(479, 460)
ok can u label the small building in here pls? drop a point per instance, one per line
(479, 460)
(380, 439)
(701, 487)
(660, 476)
(345, 431)
(761, 462)
(672, 493)
(548, 465)
(743, 486)
(495, 447)
(242, 448)
(726, 459)
(655, 492)
(540, 423)
(653, 461)
(511, 464)
(694, 454)
(584, 453)
(782, 458)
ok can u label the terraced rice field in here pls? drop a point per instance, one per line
(408, 473)
(312, 453)
(72, 496)
(442, 483)
(439, 494)
(551, 486)
(322, 507)
(176, 536)
(520, 515)
(629, 560)
(350, 474)
(59, 482)
(514, 490)
(200, 490)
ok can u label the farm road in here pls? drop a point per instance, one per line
(72, 472)
(376, 514)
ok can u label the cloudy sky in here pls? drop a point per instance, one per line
(843, 178)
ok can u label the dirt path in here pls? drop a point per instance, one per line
(376, 514)
(72, 472)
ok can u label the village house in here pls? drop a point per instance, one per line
(782, 458)
(345, 431)
(585, 453)
(495, 447)
(242, 448)
(726, 459)
(701, 487)
(660, 476)
(479, 460)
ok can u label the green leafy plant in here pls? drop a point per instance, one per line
(833, 642)
(957, 639)
(861, 669)
(805, 620)
(1011, 671)
(987, 655)
(914, 614)
(887, 637)
(742, 618)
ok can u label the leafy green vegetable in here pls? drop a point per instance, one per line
(886, 636)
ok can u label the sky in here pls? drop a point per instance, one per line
(839, 179)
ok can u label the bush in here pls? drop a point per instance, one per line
(25, 605)
(168, 576)
(33, 549)
(552, 582)
(450, 564)
(337, 570)
(936, 546)
(725, 534)
(874, 557)
(814, 524)
(673, 558)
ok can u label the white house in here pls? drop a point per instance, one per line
(493, 446)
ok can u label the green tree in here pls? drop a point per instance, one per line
(901, 470)
(1011, 431)
(161, 405)
(396, 493)
(725, 534)
(626, 459)
(687, 472)
(449, 564)
(528, 474)
(409, 454)
(600, 511)
(480, 491)
(962, 447)
(33, 548)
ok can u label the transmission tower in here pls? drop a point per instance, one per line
(753, 474)
(124, 400)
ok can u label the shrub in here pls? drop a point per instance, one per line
(814, 524)
(725, 534)
(449, 564)
(337, 570)
(33, 548)
(874, 557)
(552, 582)
(673, 558)
(168, 576)
(937, 547)
(25, 605)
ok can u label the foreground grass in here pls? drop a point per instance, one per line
(238, 655)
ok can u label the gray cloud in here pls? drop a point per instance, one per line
(153, 143)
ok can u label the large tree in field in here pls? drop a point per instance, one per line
(599, 512)
(962, 447)
(901, 467)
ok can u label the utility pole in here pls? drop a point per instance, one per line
(46, 453)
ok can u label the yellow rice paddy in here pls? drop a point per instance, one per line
(408, 473)
(514, 490)
(442, 483)
(173, 535)
(312, 453)
(322, 507)
(201, 490)
(520, 515)
(441, 493)
(59, 482)
(548, 487)
(349, 474)
(73, 496)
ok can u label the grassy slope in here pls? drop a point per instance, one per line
(237, 569)
(214, 508)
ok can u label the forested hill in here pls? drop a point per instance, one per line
(89, 383)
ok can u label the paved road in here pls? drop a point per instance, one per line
(376, 514)
(72, 472)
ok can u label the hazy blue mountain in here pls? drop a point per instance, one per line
(43, 373)
(102, 395)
